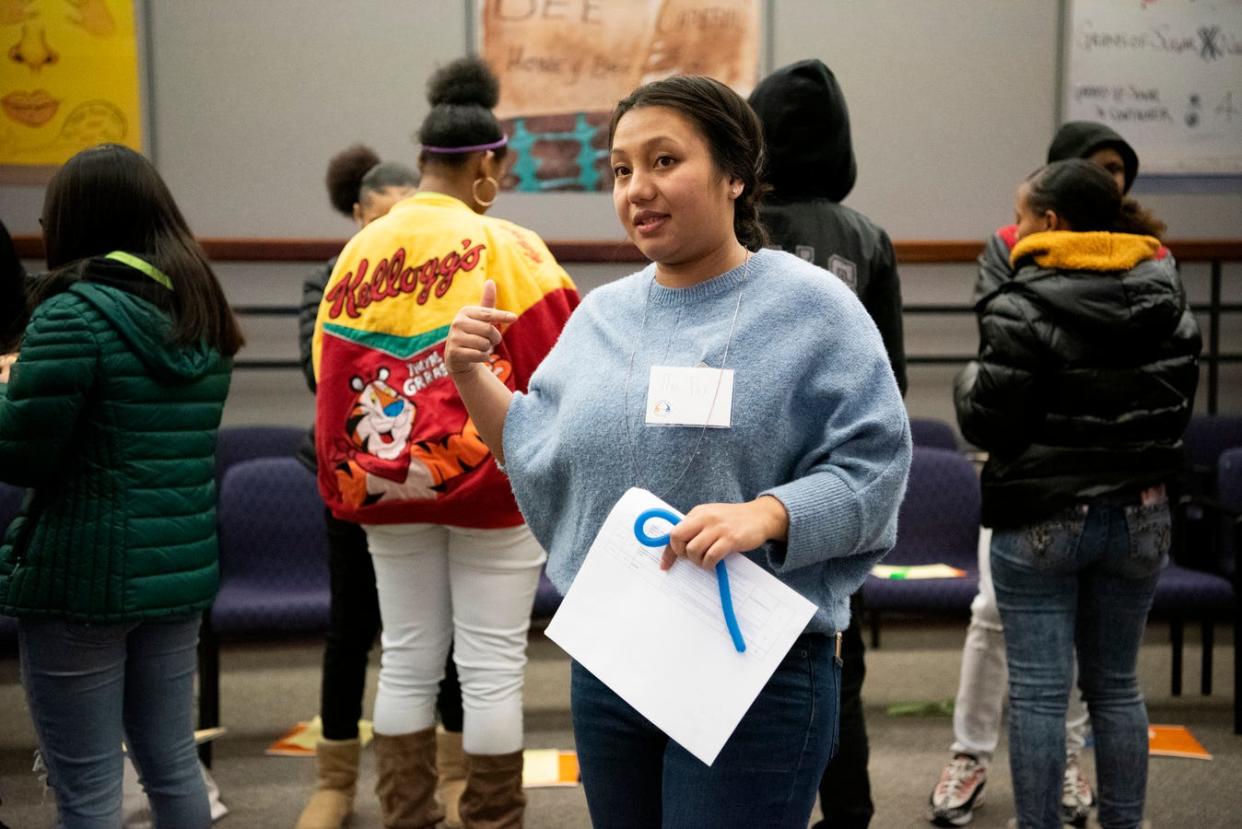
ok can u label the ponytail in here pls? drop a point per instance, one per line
(1134, 218)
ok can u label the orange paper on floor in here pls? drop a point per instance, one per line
(300, 740)
(1175, 741)
(549, 767)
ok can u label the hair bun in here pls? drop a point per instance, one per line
(344, 177)
(463, 82)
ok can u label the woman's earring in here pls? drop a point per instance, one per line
(474, 190)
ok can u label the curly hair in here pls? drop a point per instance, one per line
(344, 179)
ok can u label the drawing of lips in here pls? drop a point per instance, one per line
(34, 109)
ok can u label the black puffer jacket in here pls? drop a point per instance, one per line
(806, 129)
(1087, 369)
(308, 310)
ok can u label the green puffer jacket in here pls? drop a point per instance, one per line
(114, 432)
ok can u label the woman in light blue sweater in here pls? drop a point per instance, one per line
(805, 481)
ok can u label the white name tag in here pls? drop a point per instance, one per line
(683, 397)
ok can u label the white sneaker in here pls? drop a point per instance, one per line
(1076, 795)
(959, 792)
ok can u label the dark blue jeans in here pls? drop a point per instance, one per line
(90, 687)
(1082, 579)
(635, 777)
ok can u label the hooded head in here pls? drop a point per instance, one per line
(1082, 139)
(806, 128)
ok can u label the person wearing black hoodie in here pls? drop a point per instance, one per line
(811, 169)
(984, 678)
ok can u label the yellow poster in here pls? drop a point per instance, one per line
(564, 64)
(70, 79)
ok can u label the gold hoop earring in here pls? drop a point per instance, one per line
(474, 191)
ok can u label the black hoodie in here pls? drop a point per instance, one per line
(810, 165)
(1080, 139)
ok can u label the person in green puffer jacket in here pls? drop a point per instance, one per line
(109, 419)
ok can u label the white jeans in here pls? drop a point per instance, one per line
(474, 588)
(982, 688)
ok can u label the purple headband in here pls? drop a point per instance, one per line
(504, 139)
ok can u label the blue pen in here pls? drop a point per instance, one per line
(722, 573)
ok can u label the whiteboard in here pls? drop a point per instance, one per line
(1165, 74)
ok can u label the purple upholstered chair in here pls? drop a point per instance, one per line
(932, 433)
(1200, 547)
(1197, 585)
(245, 443)
(273, 565)
(1229, 491)
(273, 552)
(938, 524)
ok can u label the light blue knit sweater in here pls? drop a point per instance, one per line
(818, 421)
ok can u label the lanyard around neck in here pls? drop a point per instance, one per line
(629, 371)
(142, 266)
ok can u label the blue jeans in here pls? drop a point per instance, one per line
(91, 686)
(1083, 579)
(635, 777)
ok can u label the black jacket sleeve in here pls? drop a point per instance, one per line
(312, 294)
(994, 268)
(883, 303)
(997, 397)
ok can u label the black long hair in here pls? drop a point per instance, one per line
(1086, 196)
(110, 198)
(731, 129)
(12, 293)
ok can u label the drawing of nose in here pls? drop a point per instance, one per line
(394, 408)
(32, 49)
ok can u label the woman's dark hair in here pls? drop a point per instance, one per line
(1086, 196)
(359, 170)
(346, 170)
(731, 129)
(111, 198)
(387, 174)
(462, 96)
(12, 293)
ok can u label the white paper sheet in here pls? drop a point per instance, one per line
(659, 640)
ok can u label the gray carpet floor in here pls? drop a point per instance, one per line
(265, 689)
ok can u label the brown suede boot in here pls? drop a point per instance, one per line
(332, 802)
(452, 764)
(493, 798)
(406, 769)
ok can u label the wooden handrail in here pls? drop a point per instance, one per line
(607, 252)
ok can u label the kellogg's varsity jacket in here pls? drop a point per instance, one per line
(394, 441)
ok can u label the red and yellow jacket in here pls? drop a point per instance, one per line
(394, 441)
